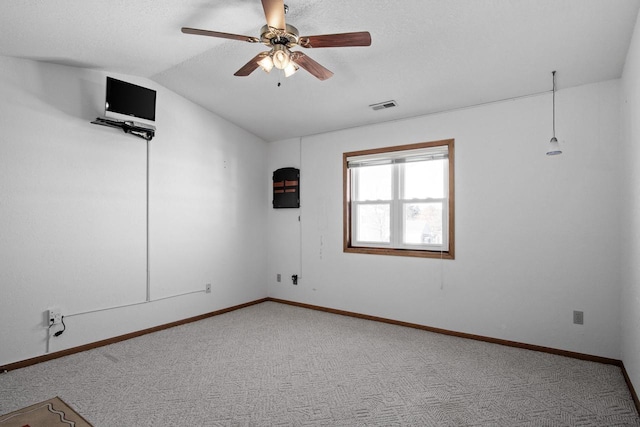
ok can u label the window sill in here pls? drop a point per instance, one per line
(400, 252)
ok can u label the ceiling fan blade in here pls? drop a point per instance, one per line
(250, 66)
(274, 12)
(360, 38)
(218, 34)
(311, 66)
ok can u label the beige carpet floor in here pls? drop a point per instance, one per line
(274, 364)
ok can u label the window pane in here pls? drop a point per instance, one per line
(399, 200)
(374, 183)
(373, 223)
(422, 223)
(424, 180)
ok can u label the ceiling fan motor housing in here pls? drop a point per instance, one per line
(271, 36)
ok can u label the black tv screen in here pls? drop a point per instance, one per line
(130, 100)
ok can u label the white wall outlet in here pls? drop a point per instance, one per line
(578, 317)
(55, 316)
(207, 288)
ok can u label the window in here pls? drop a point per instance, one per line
(399, 200)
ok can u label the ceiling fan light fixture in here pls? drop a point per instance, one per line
(290, 69)
(280, 37)
(281, 57)
(266, 63)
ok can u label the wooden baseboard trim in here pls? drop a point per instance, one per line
(555, 351)
(91, 346)
(558, 352)
(632, 390)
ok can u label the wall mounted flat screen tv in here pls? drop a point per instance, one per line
(126, 101)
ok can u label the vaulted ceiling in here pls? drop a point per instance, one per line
(427, 55)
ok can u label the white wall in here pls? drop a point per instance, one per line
(630, 212)
(73, 211)
(535, 235)
(283, 228)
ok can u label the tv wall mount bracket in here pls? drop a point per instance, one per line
(127, 127)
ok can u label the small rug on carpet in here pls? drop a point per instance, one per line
(50, 413)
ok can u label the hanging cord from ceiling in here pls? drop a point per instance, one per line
(553, 73)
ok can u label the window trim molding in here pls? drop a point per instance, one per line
(346, 204)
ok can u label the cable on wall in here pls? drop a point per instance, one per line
(97, 310)
(300, 211)
(441, 270)
(147, 221)
(148, 261)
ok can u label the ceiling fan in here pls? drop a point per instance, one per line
(280, 37)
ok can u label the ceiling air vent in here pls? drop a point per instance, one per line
(383, 105)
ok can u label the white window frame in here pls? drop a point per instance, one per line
(398, 157)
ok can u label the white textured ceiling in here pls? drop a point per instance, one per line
(428, 55)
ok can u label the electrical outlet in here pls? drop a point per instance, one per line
(578, 317)
(55, 316)
(207, 288)
(278, 277)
